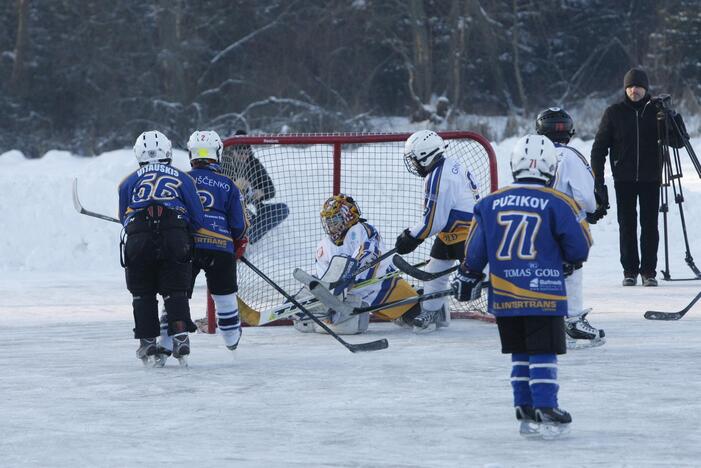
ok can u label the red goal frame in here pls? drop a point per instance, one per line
(337, 141)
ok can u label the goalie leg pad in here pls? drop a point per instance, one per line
(351, 326)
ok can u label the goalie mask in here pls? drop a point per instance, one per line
(422, 151)
(152, 147)
(339, 214)
(555, 124)
(534, 157)
(205, 145)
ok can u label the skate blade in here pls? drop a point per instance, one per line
(529, 430)
(585, 344)
(182, 360)
(160, 360)
(549, 431)
(430, 328)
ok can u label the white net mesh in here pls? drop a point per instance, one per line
(287, 178)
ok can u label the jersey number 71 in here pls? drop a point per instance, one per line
(520, 231)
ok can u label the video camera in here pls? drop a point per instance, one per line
(662, 102)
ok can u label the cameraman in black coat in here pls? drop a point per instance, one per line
(628, 133)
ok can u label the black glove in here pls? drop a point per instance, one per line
(406, 243)
(569, 268)
(467, 286)
(601, 194)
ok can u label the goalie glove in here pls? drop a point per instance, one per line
(467, 286)
(406, 243)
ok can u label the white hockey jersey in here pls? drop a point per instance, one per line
(450, 194)
(364, 243)
(574, 177)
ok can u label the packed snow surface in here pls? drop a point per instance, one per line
(75, 395)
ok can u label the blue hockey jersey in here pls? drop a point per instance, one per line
(525, 232)
(225, 216)
(160, 184)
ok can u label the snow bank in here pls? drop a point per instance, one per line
(42, 232)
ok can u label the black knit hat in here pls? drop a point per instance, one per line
(636, 77)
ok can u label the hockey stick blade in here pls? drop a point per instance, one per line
(79, 208)
(658, 315)
(417, 273)
(370, 346)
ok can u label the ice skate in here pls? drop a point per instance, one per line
(426, 321)
(580, 333)
(181, 348)
(528, 428)
(147, 350)
(553, 422)
(161, 356)
(231, 338)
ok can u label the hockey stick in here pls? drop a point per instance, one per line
(657, 315)
(353, 348)
(417, 273)
(79, 208)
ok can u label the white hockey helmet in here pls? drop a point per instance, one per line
(153, 146)
(205, 144)
(422, 151)
(534, 157)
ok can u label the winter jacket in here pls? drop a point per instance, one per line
(628, 132)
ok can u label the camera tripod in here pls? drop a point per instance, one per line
(672, 136)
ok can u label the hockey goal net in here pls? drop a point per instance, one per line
(286, 179)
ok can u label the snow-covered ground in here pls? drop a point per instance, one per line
(74, 394)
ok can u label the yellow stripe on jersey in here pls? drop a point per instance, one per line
(506, 288)
(207, 233)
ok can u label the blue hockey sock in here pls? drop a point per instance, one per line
(519, 379)
(543, 374)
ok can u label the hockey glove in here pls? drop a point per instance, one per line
(240, 247)
(467, 286)
(602, 204)
(406, 243)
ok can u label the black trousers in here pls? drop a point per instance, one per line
(628, 196)
(532, 334)
(219, 269)
(158, 260)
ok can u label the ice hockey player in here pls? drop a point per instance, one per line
(525, 233)
(351, 236)
(575, 178)
(450, 193)
(222, 239)
(159, 209)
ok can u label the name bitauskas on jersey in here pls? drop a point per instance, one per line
(224, 217)
(164, 185)
(525, 233)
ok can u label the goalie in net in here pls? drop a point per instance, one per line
(350, 236)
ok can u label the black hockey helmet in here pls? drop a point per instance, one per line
(555, 124)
